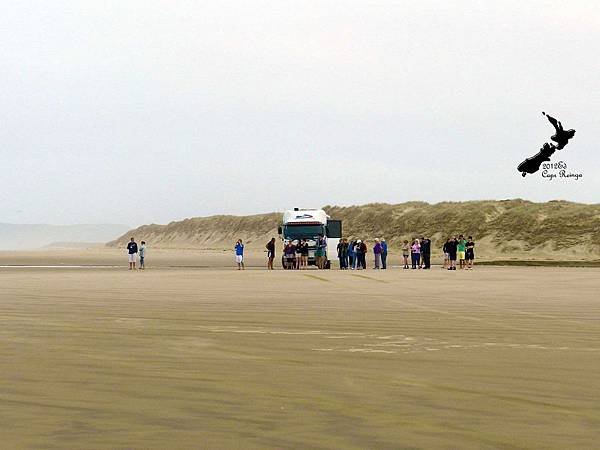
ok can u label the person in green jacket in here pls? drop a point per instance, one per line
(462, 248)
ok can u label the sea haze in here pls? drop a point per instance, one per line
(34, 236)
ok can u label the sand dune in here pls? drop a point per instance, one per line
(510, 229)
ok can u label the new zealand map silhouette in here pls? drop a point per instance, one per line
(561, 137)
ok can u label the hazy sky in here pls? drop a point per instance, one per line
(150, 111)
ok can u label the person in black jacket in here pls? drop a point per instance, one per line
(345, 247)
(470, 255)
(303, 254)
(361, 250)
(446, 254)
(452, 247)
(426, 253)
(132, 250)
(340, 253)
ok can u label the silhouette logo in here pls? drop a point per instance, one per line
(561, 139)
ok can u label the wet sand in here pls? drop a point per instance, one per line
(192, 258)
(216, 358)
(155, 258)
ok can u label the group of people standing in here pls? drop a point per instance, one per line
(419, 251)
(295, 253)
(352, 254)
(461, 249)
(132, 252)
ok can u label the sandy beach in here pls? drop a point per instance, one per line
(216, 358)
(195, 132)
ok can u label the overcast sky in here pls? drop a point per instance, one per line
(150, 111)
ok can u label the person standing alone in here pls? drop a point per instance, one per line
(270, 253)
(132, 250)
(239, 254)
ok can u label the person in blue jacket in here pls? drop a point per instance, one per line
(239, 254)
(384, 250)
(351, 254)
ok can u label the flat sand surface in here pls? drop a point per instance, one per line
(216, 358)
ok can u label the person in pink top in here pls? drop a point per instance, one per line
(415, 253)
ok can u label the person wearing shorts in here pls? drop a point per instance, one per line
(461, 250)
(289, 255)
(470, 253)
(303, 253)
(270, 253)
(132, 250)
(446, 255)
(298, 260)
(239, 254)
(320, 252)
(405, 253)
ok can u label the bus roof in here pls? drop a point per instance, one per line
(305, 216)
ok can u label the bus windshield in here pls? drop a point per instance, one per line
(303, 231)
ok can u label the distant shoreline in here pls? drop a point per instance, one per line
(540, 263)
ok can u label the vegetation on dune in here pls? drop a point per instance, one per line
(561, 223)
(505, 227)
